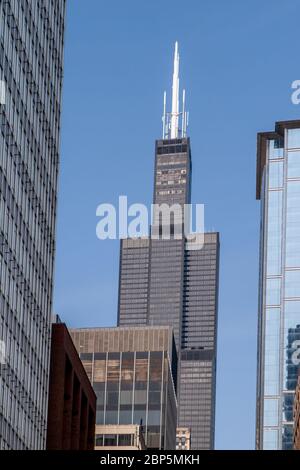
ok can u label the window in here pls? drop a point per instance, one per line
(271, 412)
(292, 284)
(125, 416)
(293, 224)
(99, 371)
(273, 291)
(113, 370)
(111, 417)
(141, 374)
(293, 138)
(291, 344)
(272, 340)
(276, 175)
(275, 149)
(294, 164)
(110, 440)
(126, 439)
(99, 440)
(274, 232)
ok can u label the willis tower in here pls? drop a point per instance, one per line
(169, 280)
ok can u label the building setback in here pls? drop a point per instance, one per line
(31, 72)
(278, 189)
(133, 372)
(72, 400)
(170, 282)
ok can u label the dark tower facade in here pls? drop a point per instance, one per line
(165, 282)
(166, 267)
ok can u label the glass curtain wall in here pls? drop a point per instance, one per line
(280, 295)
(131, 388)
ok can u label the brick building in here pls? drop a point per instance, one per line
(72, 401)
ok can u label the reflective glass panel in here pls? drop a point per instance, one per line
(292, 284)
(288, 407)
(276, 174)
(274, 232)
(271, 412)
(293, 138)
(275, 151)
(270, 439)
(273, 291)
(294, 165)
(287, 437)
(293, 224)
(291, 344)
(99, 371)
(272, 338)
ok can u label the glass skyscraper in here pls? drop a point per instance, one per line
(164, 282)
(278, 189)
(31, 73)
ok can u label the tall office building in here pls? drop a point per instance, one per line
(31, 72)
(133, 370)
(278, 189)
(165, 282)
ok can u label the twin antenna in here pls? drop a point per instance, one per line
(171, 120)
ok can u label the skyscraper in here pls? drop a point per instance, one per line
(133, 370)
(164, 282)
(31, 72)
(278, 189)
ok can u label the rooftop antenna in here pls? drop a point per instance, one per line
(175, 95)
(165, 115)
(171, 120)
(183, 117)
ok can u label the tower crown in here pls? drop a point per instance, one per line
(171, 126)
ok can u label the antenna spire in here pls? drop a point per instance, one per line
(171, 120)
(175, 95)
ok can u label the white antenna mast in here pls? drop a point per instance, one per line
(175, 95)
(165, 115)
(183, 125)
(171, 119)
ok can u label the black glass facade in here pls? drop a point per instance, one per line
(169, 284)
(197, 387)
(133, 283)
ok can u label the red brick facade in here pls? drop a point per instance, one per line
(72, 401)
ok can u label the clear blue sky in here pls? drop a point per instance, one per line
(238, 60)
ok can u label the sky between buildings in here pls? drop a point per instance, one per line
(238, 60)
